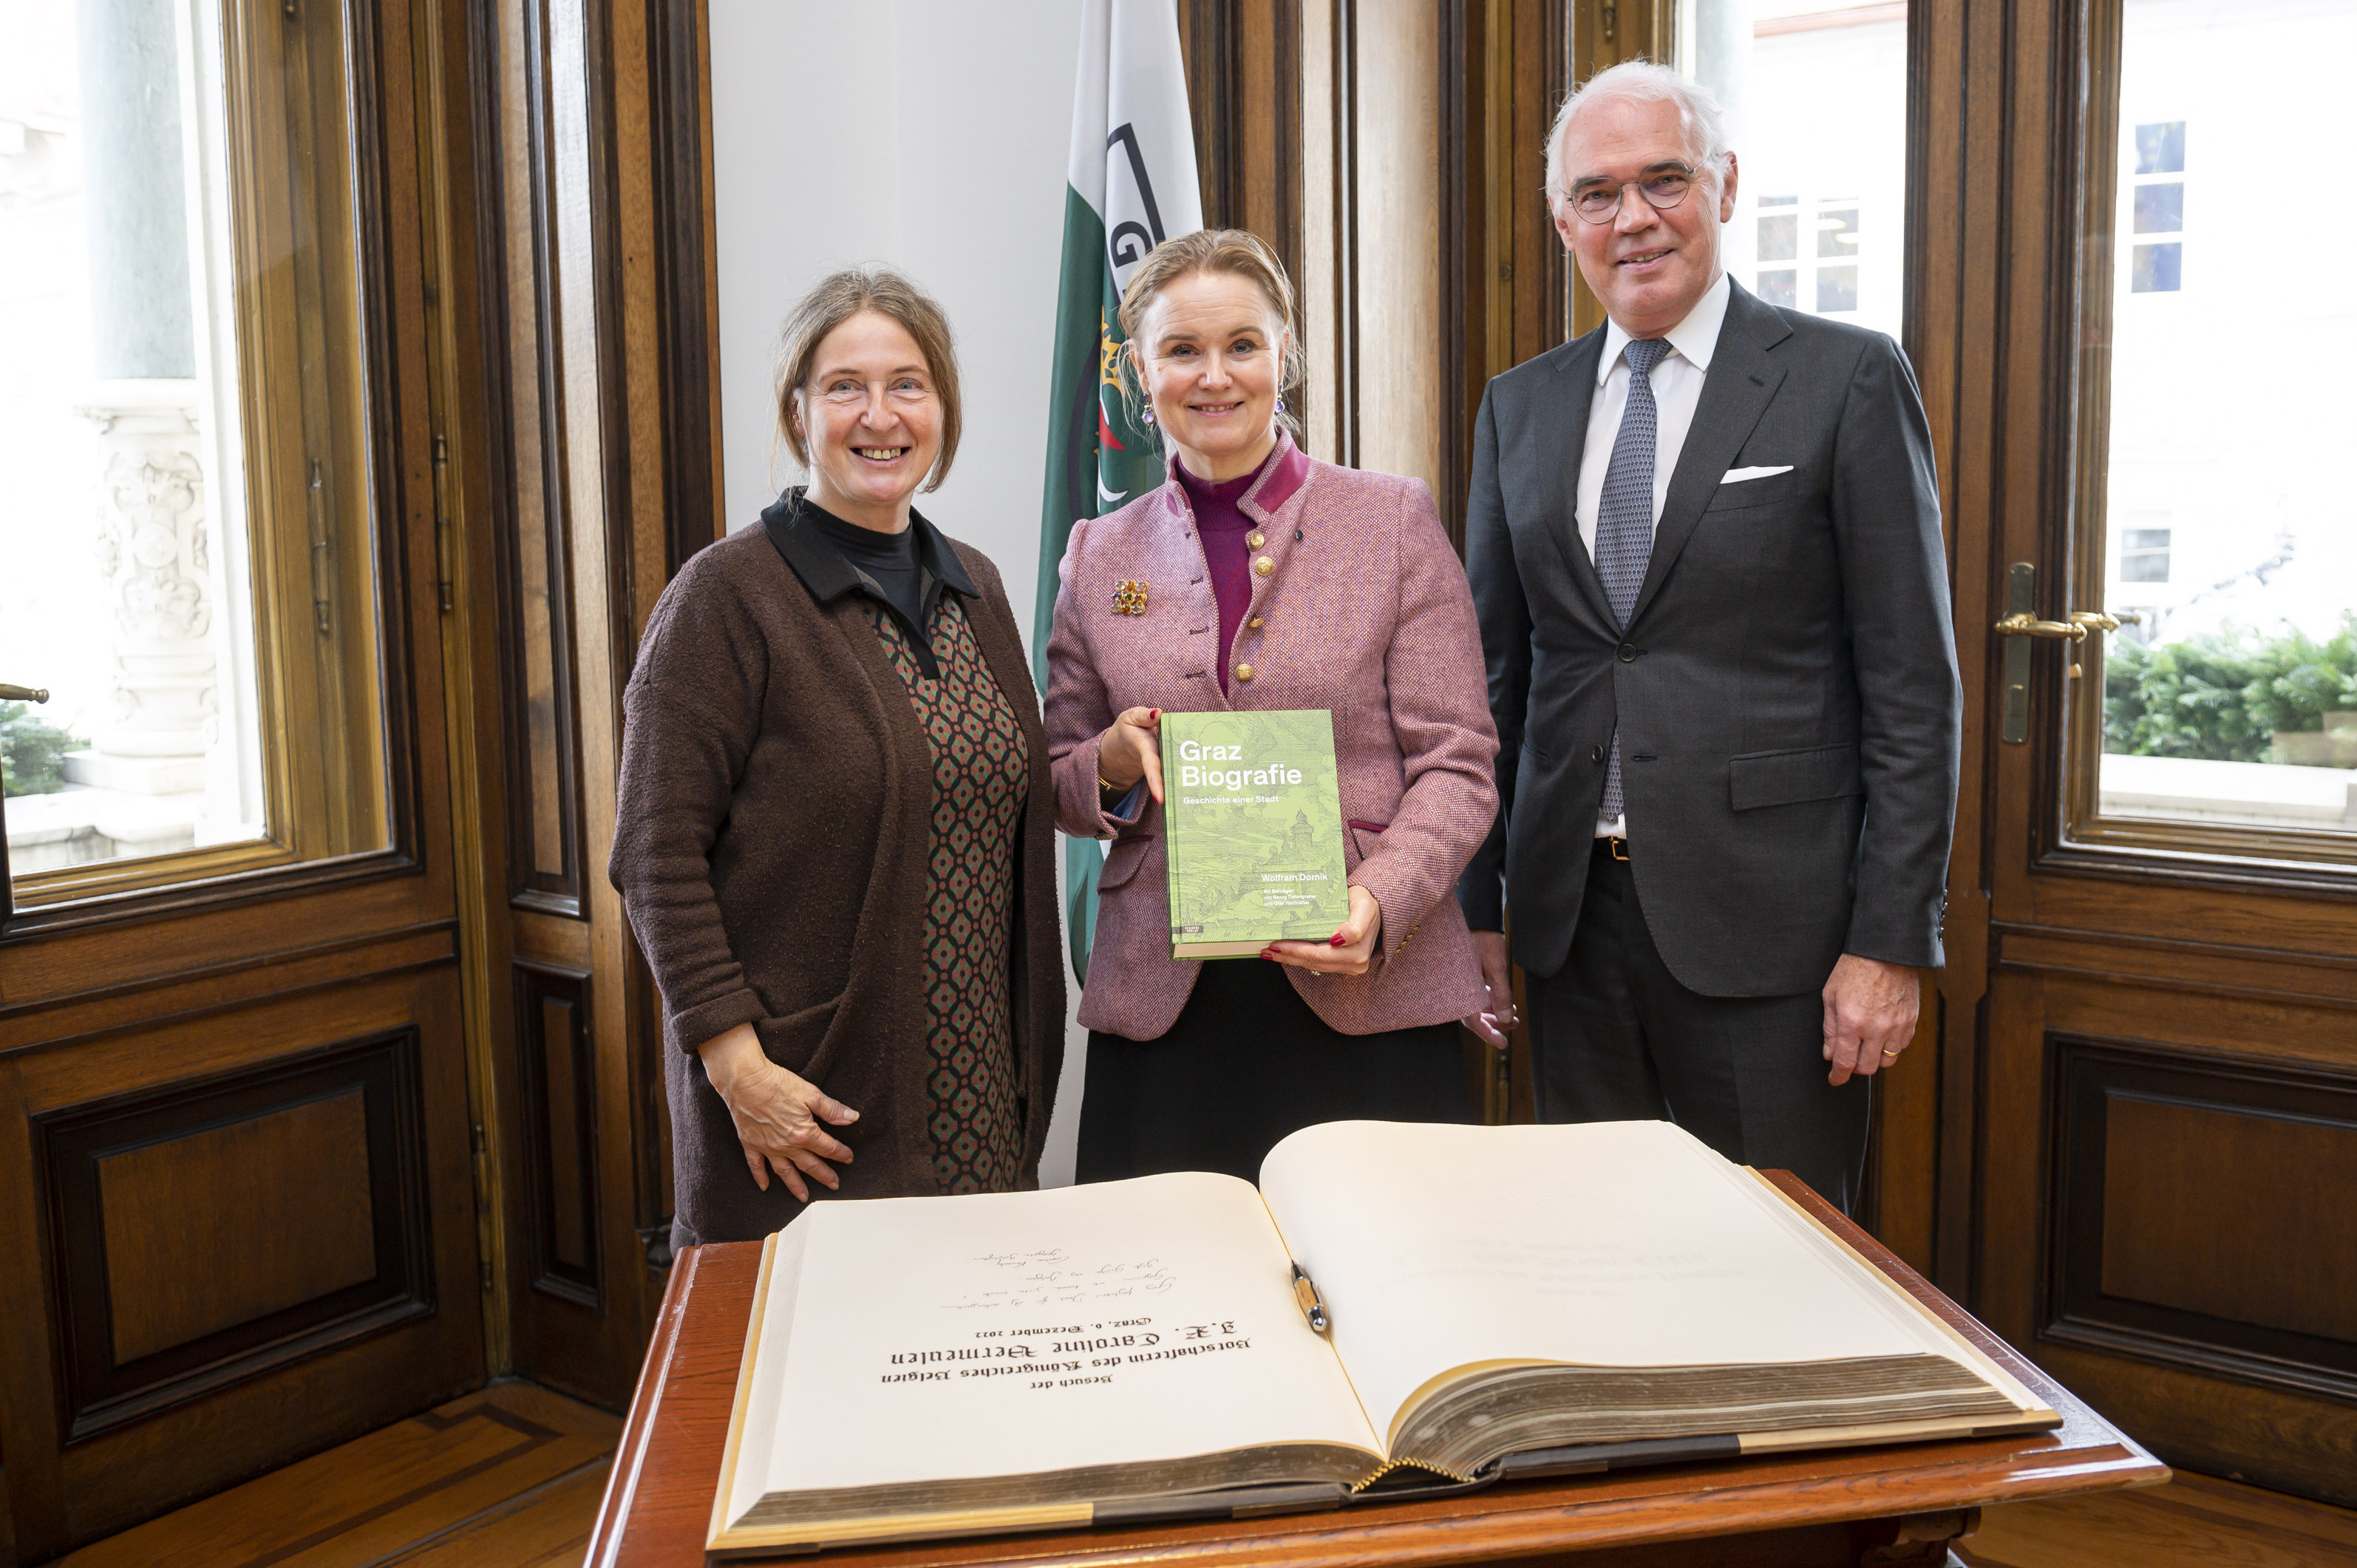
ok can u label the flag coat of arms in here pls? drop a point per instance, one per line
(1131, 185)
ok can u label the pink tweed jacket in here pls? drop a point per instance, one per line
(1365, 613)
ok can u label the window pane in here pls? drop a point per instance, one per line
(1815, 94)
(158, 330)
(2160, 207)
(1837, 232)
(2236, 699)
(2155, 269)
(2160, 149)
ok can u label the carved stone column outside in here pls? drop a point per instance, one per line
(153, 551)
(150, 538)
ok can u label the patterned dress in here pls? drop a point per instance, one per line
(982, 771)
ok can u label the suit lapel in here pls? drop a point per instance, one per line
(1741, 384)
(1559, 491)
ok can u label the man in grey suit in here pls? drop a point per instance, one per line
(1704, 546)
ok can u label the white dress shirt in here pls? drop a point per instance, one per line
(1677, 387)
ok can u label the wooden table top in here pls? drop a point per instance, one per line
(658, 1501)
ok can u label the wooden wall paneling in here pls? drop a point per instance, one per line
(1244, 94)
(2257, 1386)
(1958, 305)
(2155, 1257)
(463, 56)
(192, 1103)
(1924, 1102)
(1605, 33)
(525, 438)
(685, 287)
(614, 358)
(636, 539)
(28, 1351)
(1541, 72)
(557, 1079)
(209, 1232)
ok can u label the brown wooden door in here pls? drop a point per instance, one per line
(582, 468)
(2142, 1114)
(235, 1181)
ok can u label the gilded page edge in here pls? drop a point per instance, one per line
(912, 1526)
(1973, 1354)
(1869, 1434)
(730, 1450)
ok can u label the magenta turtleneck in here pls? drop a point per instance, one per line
(1223, 527)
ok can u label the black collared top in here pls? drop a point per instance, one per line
(800, 529)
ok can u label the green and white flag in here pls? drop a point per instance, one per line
(1132, 186)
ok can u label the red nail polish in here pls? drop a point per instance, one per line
(1336, 940)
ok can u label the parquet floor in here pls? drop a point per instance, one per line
(2192, 1523)
(510, 1477)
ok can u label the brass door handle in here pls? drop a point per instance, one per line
(23, 694)
(2022, 624)
(2104, 621)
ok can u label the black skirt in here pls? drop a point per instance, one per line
(1246, 1063)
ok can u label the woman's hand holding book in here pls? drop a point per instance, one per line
(1348, 952)
(1131, 749)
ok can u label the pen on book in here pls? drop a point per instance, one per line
(1313, 1305)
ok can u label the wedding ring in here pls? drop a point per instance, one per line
(1890, 1056)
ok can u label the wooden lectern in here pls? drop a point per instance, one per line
(1852, 1507)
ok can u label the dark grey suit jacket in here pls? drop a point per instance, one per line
(1786, 686)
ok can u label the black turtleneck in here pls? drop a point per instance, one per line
(890, 560)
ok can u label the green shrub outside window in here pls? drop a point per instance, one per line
(2225, 694)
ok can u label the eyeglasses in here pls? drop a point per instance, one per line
(1599, 203)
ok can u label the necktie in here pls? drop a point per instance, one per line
(1624, 516)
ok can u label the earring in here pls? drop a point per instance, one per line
(1149, 418)
(1280, 402)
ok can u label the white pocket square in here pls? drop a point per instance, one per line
(1737, 476)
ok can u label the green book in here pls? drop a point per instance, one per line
(1252, 816)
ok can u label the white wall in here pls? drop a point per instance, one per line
(929, 135)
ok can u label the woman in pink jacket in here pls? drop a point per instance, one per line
(1272, 581)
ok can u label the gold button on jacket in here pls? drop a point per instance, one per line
(1254, 623)
(1264, 565)
(1255, 538)
(1243, 671)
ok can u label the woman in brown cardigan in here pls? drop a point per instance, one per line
(835, 830)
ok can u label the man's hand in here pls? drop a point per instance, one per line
(1870, 1011)
(1497, 973)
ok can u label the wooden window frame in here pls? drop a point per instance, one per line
(313, 321)
(2079, 836)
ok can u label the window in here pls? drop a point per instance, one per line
(190, 542)
(2143, 555)
(2227, 722)
(1822, 203)
(2156, 197)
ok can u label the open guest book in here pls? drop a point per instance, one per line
(1499, 1301)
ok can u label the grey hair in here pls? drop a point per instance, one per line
(1643, 81)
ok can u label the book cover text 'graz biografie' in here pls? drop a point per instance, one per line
(1252, 815)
